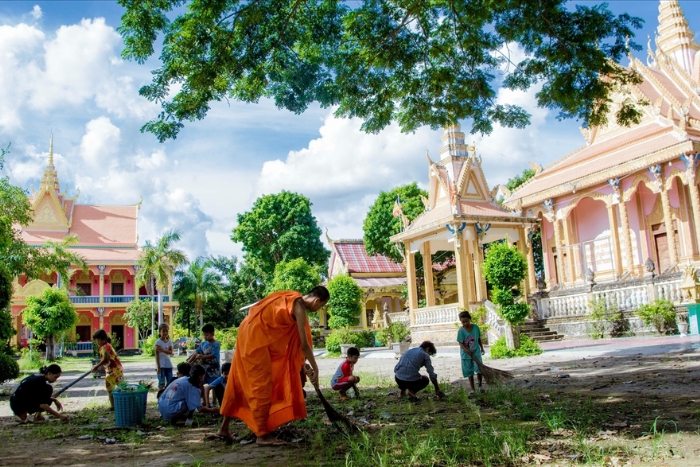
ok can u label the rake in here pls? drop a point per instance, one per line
(341, 423)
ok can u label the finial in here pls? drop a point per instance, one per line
(51, 150)
(427, 155)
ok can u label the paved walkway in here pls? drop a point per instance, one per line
(380, 363)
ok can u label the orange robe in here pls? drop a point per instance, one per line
(264, 388)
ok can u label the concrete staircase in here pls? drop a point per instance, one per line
(537, 332)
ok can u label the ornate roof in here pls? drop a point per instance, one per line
(670, 125)
(355, 259)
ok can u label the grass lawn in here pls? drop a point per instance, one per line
(506, 426)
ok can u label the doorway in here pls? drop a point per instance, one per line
(83, 333)
(118, 331)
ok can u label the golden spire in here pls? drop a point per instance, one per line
(50, 179)
(675, 38)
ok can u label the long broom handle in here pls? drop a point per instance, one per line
(72, 383)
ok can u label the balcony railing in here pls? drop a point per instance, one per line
(436, 315)
(83, 299)
(119, 298)
(80, 346)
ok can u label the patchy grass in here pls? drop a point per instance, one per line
(506, 426)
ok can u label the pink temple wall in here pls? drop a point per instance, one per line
(591, 219)
(635, 229)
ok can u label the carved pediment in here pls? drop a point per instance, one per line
(118, 277)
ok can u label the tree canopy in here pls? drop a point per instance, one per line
(380, 223)
(504, 269)
(201, 282)
(138, 315)
(414, 62)
(49, 314)
(280, 228)
(297, 275)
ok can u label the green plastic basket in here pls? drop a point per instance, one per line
(129, 405)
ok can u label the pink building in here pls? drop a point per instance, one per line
(107, 242)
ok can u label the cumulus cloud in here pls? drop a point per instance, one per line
(100, 143)
(36, 12)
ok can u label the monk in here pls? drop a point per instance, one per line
(274, 342)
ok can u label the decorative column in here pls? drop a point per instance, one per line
(668, 221)
(558, 244)
(570, 258)
(101, 314)
(428, 275)
(461, 265)
(691, 162)
(526, 239)
(411, 283)
(614, 240)
(624, 223)
(102, 268)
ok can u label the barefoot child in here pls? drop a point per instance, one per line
(343, 378)
(208, 354)
(218, 386)
(163, 350)
(33, 395)
(113, 367)
(469, 338)
(183, 397)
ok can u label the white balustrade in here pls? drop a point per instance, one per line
(670, 291)
(399, 317)
(435, 315)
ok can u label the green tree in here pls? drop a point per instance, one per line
(5, 287)
(280, 228)
(201, 282)
(48, 315)
(297, 275)
(513, 183)
(413, 62)
(345, 304)
(138, 315)
(63, 259)
(380, 223)
(504, 269)
(157, 264)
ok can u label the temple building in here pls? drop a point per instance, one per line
(380, 278)
(626, 204)
(108, 238)
(461, 216)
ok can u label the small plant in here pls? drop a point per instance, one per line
(149, 345)
(9, 369)
(116, 341)
(395, 332)
(659, 314)
(30, 359)
(191, 344)
(602, 318)
(227, 338)
(341, 336)
(527, 347)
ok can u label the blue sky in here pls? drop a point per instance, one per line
(60, 70)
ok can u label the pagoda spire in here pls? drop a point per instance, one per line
(453, 142)
(50, 179)
(675, 38)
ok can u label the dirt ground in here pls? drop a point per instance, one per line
(613, 410)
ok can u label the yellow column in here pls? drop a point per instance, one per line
(102, 269)
(524, 234)
(411, 284)
(570, 256)
(668, 221)
(558, 244)
(478, 275)
(461, 265)
(428, 275)
(614, 240)
(694, 203)
(626, 239)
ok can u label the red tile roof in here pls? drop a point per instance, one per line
(352, 253)
(379, 281)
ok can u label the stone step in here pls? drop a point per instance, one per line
(554, 337)
(540, 333)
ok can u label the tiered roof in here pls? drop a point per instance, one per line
(670, 126)
(350, 257)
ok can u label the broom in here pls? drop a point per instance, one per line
(493, 376)
(341, 423)
(65, 388)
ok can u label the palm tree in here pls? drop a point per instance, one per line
(201, 282)
(61, 259)
(157, 263)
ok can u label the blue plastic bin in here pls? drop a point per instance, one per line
(130, 405)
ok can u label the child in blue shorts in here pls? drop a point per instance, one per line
(469, 338)
(218, 386)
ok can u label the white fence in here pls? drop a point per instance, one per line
(624, 297)
(435, 315)
(399, 317)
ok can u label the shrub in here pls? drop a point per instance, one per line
(606, 321)
(527, 347)
(227, 338)
(345, 304)
(659, 314)
(30, 359)
(149, 345)
(341, 336)
(395, 332)
(365, 339)
(9, 369)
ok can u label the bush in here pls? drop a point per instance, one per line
(527, 347)
(605, 321)
(149, 345)
(345, 304)
(365, 339)
(395, 332)
(30, 359)
(6, 331)
(227, 338)
(516, 312)
(9, 369)
(341, 336)
(659, 314)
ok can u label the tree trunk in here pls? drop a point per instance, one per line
(512, 336)
(49, 349)
(160, 308)
(198, 304)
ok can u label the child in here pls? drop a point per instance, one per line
(113, 367)
(469, 338)
(183, 369)
(163, 350)
(183, 397)
(208, 354)
(343, 378)
(33, 395)
(218, 386)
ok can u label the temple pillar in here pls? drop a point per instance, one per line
(668, 221)
(570, 258)
(615, 241)
(626, 239)
(531, 279)
(411, 284)
(694, 201)
(101, 313)
(461, 265)
(102, 269)
(428, 275)
(558, 245)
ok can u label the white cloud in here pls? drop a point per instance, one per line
(155, 160)
(100, 143)
(36, 12)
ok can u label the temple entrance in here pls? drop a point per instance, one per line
(661, 246)
(82, 333)
(118, 331)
